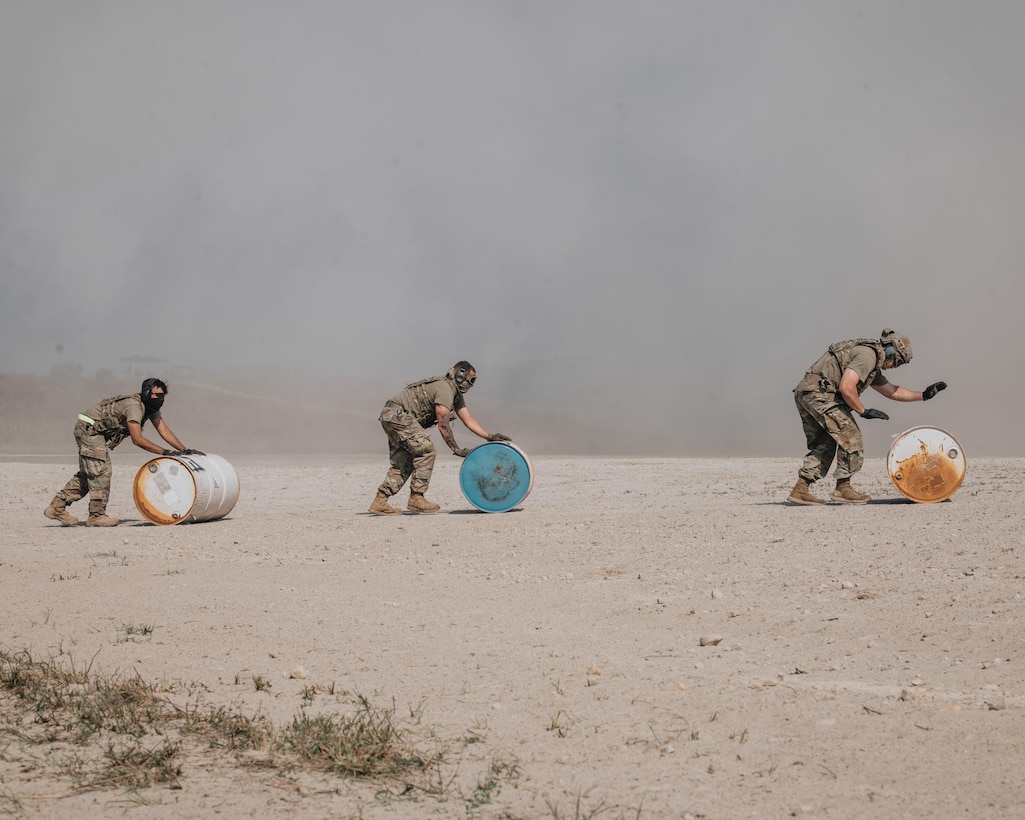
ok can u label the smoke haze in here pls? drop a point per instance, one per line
(638, 220)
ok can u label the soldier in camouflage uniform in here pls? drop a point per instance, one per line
(828, 397)
(98, 431)
(405, 419)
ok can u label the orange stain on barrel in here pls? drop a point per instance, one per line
(929, 477)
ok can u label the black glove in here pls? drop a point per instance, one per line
(190, 452)
(875, 414)
(462, 452)
(498, 437)
(173, 453)
(933, 389)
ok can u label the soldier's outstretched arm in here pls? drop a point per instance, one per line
(849, 391)
(898, 393)
(471, 423)
(444, 417)
(167, 435)
(140, 441)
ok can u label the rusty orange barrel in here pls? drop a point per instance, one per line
(185, 488)
(926, 464)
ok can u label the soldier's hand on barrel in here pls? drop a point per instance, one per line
(498, 437)
(190, 452)
(462, 452)
(874, 414)
(933, 389)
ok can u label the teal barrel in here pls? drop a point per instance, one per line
(496, 477)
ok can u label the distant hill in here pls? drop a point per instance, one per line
(282, 415)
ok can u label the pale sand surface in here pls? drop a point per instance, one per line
(870, 662)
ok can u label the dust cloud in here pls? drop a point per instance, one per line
(641, 222)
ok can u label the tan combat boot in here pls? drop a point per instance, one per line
(801, 494)
(417, 503)
(382, 507)
(58, 511)
(846, 494)
(101, 520)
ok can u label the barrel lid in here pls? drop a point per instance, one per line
(496, 476)
(165, 490)
(926, 464)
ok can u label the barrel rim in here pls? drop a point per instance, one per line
(152, 516)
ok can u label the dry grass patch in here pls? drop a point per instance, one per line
(119, 732)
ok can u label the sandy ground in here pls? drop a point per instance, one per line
(859, 661)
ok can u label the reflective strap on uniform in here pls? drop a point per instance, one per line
(85, 418)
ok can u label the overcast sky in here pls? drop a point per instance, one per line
(658, 213)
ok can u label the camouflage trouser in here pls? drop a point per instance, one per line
(410, 451)
(94, 471)
(830, 429)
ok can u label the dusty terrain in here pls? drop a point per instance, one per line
(643, 638)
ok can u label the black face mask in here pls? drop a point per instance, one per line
(153, 403)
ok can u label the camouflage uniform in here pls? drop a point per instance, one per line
(829, 425)
(95, 439)
(405, 418)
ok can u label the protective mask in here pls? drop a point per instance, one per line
(460, 374)
(153, 403)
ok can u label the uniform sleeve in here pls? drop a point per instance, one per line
(863, 362)
(134, 411)
(445, 394)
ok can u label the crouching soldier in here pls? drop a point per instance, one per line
(98, 431)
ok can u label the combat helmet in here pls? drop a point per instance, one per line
(895, 346)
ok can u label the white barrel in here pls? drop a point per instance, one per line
(926, 464)
(173, 489)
